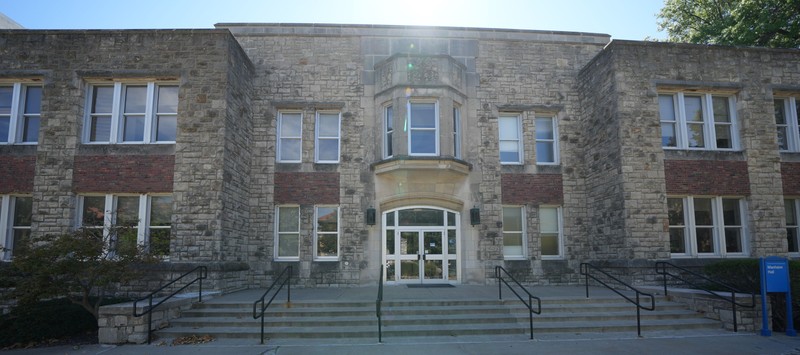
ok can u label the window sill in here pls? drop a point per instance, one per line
(326, 259)
(544, 258)
(286, 259)
(515, 258)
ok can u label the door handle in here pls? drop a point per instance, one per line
(423, 257)
(418, 257)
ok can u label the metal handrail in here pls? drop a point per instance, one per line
(202, 274)
(378, 302)
(661, 269)
(288, 281)
(531, 297)
(585, 268)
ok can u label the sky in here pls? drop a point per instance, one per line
(622, 19)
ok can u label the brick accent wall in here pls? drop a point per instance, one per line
(307, 188)
(16, 175)
(124, 173)
(790, 174)
(707, 177)
(519, 189)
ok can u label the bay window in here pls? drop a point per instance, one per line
(423, 128)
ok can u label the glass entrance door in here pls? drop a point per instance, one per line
(421, 256)
(420, 246)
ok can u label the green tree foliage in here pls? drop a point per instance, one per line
(82, 266)
(762, 23)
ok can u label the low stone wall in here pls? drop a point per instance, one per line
(117, 325)
(748, 319)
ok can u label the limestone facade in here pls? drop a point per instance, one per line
(289, 137)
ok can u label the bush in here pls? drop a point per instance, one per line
(44, 320)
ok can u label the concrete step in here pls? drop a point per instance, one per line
(420, 318)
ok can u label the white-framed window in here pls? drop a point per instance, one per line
(388, 133)
(514, 238)
(290, 137)
(698, 121)
(328, 128)
(707, 226)
(15, 222)
(457, 132)
(148, 217)
(287, 233)
(792, 228)
(423, 128)
(20, 113)
(546, 140)
(510, 131)
(326, 233)
(131, 113)
(550, 232)
(787, 123)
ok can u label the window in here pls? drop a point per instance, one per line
(387, 137)
(132, 113)
(513, 232)
(287, 233)
(546, 140)
(792, 227)
(15, 222)
(20, 113)
(698, 121)
(147, 218)
(290, 140)
(510, 127)
(327, 144)
(788, 124)
(457, 132)
(706, 226)
(423, 128)
(326, 233)
(550, 232)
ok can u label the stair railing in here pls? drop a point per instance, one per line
(499, 271)
(587, 268)
(378, 302)
(202, 273)
(661, 269)
(285, 279)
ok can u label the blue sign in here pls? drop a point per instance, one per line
(776, 274)
(775, 278)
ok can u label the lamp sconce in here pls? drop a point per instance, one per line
(475, 216)
(370, 216)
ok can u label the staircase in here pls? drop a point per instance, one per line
(426, 318)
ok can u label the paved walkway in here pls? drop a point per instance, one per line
(677, 342)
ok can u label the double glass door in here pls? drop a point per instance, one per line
(421, 256)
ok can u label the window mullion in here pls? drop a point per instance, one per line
(13, 122)
(149, 113)
(144, 220)
(5, 217)
(792, 124)
(116, 108)
(680, 118)
(691, 226)
(109, 214)
(709, 124)
(719, 226)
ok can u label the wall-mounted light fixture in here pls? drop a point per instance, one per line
(475, 216)
(370, 216)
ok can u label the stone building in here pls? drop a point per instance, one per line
(436, 152)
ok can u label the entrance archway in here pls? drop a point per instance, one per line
(420, 245)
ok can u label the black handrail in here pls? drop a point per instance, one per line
(287, 281)
(661, 269)
(585, 268)
(378, 302)
(531, 297)
(202, 274)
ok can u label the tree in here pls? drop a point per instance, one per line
(81, 266)
(762, 23)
